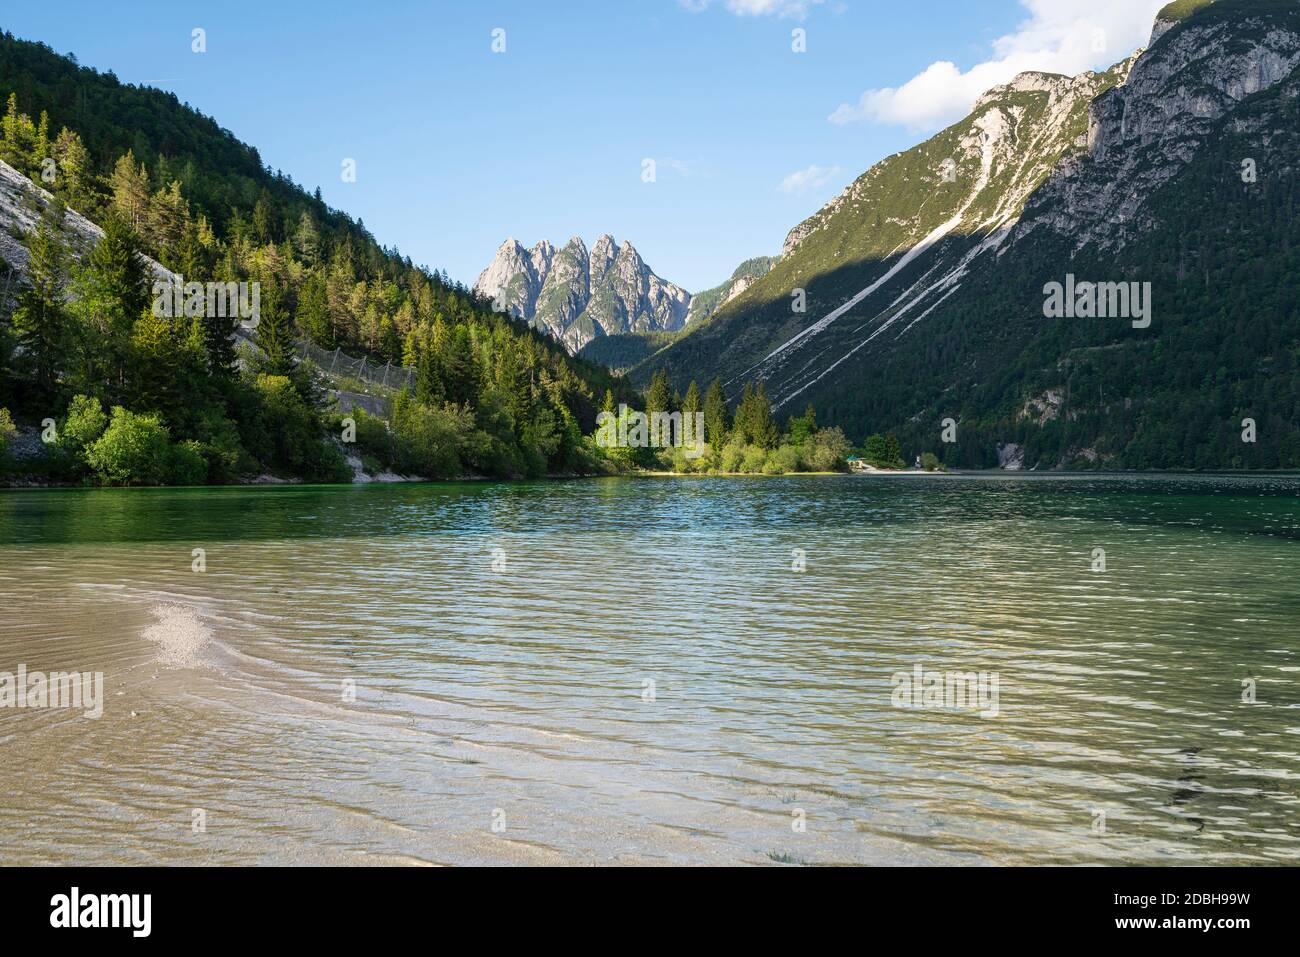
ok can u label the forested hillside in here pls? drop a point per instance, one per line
(925, 281)
(492, 395)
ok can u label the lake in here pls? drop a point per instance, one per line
(642, 671)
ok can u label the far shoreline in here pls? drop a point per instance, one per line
(284, 484)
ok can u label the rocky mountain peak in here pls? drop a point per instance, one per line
(628, 252)
(1143, 132)
(602, 256)
(1032, 81)
(576, 246)
(577, 295)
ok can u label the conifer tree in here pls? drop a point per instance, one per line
(122, 275)
(111, 291)
(11, 147)
(716, 415)
(156, 343)
(754, 418)
(306, 241)
(314, 313)
(169, 217)
(41, 145)
(894, 452)
(130, 187)
(659, 396)
(72, 171)
(691, 402)
(273, 335)
(40, 322)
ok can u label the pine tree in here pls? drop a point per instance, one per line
(191, 259)
(691, 403)
(876, 451)
(428, 379)
(460, 367)
(766, 432)
(11, 147)
(130, 186)
(314, 312)
(41, 145)
(155, 362)
(659, 396)
(306, 241)
(804, 427)
(754, 418)
(262, 218)
(169, 217)
(72, 171)
(894, 452)
(40, 321)
(122, 277)
(218, 337)
(273, 335)
(716, 415)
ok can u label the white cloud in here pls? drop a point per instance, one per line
(757, 8)
(1059, 36)
(814, 177)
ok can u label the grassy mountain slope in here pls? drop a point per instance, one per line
(944, 198)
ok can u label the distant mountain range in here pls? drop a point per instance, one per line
(579, 296)
(924, 285)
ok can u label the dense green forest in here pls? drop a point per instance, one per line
(746, 440)
(80, 345)
(625, 349)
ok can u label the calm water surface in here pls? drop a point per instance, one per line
(631, 671)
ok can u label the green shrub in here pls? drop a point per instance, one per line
(373, 438)
(755, 460)
(324, 463)
(733, 456)
(134, 450)
(84, 424)
(826, 451)
(284, 432)
(783, 461)
(186, 464)
(226, 457)
(688, 464)
(431, 441)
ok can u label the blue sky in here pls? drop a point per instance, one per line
(458, 147)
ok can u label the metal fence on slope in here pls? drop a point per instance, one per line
(339, 363)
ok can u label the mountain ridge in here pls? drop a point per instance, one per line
(924, 279)
(577, 295)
